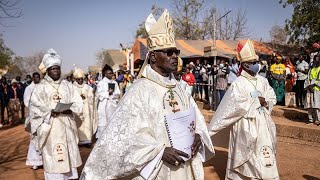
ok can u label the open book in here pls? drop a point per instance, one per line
(181, 130)
(60, 107)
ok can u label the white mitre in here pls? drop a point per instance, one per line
(51, 58)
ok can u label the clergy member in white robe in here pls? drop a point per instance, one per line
(34, 157)
(87, 119)
(56, 131)
(108, 98)
(136, 136)
(247, 107)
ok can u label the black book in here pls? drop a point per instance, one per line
(111, 86)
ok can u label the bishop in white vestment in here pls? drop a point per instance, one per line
(87, 119)
(34, 157)
(136, 135)
(56, 131)
(108, 98)
(247, 107)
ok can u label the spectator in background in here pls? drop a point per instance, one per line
(15, 95)
(28, 80)
(189, 78)
(315, 52)
(278, 76)
(120, 80)
(4, 99)
(205, 72)
(222, 78)
(21, 88)
(312, 86)
(197, 75)
(302, 68)
(263, 68)
(234, 70)
(290, 74)
(128, 80)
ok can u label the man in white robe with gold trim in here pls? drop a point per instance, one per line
(56, 132)
(86, 120)
(247, 107)
(136, 134)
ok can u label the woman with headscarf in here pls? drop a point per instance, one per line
(290, 74)
(277, 79)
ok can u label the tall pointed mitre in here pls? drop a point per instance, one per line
(78, 73)
(247, 53)
(160, 33)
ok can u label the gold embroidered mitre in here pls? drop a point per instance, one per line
(247, 52)
(78, 73)
(160, 33)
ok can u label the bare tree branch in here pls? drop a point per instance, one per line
(9, 9)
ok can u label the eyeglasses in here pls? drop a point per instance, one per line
(170, 52)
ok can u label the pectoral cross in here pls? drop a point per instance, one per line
(172, 101)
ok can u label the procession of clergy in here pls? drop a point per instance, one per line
(133, 140)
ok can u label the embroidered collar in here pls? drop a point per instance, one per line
(152, 75)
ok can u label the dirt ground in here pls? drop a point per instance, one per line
(297, 159)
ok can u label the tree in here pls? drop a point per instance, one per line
(304, 25)
(30, 64)
(233, 26)
(100, 57)
(9, 9)
(278, 35)
(194, 19)
(187, 16)
(5, 55)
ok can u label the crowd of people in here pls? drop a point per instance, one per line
(130, 120)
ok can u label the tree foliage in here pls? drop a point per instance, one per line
(5, 55)
(304, 25)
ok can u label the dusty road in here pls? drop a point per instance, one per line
(296, 159)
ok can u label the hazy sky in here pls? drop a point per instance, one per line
(78, 29)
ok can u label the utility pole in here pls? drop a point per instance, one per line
(214, 48)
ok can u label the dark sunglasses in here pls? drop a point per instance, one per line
(170, 52)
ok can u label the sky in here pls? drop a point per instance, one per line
(79, 29)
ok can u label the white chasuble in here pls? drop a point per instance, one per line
(107, 103)
(57, 136)
(34, 157)
(86, 120)
(136, 133)
(253, 135)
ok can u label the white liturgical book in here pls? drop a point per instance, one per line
(60, 107)
(181, 130)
